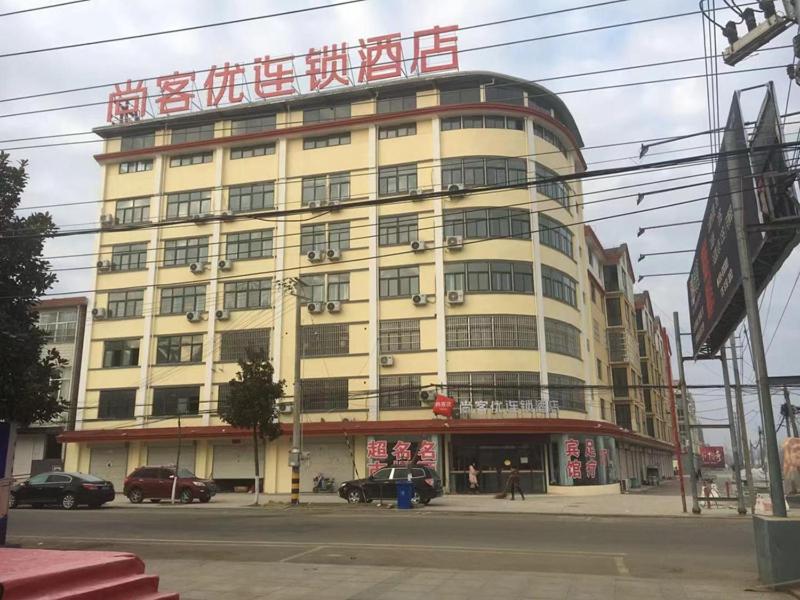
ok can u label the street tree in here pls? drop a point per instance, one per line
(29, 374)
(252, 403)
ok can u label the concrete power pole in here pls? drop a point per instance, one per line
(737, 468)
(791, 424)
(685, 408)
(745, 444)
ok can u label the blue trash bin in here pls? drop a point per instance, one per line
(405, 490)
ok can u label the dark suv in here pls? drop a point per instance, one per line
(155, 484)
(382, 485)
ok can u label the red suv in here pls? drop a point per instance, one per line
(155, 484)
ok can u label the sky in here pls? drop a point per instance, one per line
(68, 173)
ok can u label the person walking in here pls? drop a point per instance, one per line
(513, 483)
(472, 477)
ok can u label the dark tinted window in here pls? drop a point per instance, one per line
(146, 473)
(397, 103)
(418, 473)
(460, 96)
(165, 473)
(58, 479)
(38, 479)
(382, 474)
(400, 474)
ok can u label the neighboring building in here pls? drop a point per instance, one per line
(651, 356)
(63, 321)
(484, 294)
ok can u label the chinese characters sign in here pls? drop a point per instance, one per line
(382, 453)
(712, 456)
(377, 58)
(576, 469)
(478, 409)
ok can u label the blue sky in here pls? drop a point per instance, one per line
(69, 174)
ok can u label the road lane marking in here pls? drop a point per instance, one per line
(299, 554)
(621, 568)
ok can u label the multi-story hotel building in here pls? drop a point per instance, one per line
(412, 276)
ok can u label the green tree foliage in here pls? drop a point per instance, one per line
(28, 375)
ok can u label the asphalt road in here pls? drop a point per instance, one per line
(658, 548)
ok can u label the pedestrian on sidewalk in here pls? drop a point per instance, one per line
(513, 483)
(473, 478)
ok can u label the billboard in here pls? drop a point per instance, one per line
(712, 457)
(716, 296)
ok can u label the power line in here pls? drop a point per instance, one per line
(27, 10)
(783, 312)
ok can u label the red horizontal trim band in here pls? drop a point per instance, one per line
(459, 426)
(343, 124)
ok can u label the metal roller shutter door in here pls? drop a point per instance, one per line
(111, 463)
(166, 455)
(234, 461)
(330, 457)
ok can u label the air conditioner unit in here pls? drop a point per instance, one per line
(99, 313)
(193, 316)
(227, 214)
(427, 395)
(333, 254)
(199, 218)
(285, 408)
(417, 246)
(103, 265)
(415, 194)
(226, 264)
(197, 267)
(223, 314)
(419, 299)
(107, 221)
(334, 306)
(455, 242)
(456, 190)
(314, 204)
(315, 307)
(315, 255)
(387, 360)
(333, 204)
(455, 297)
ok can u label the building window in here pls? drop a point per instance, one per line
(319, 395)
(326, 141)
(179, 349)
(491, 331)
(121, 353)
(460, 95)
(555, 190)
(489, 276)
(136, 166)
(180, 300)
(559, 286)
(478, 171)
(254, 293)
(397, 180)
(196, 133)
(557, 236)
(255, 196)
(481, 121)
(326, 113)
(249, 244)
(550, 137)
(567, 392)
(129, 257)
(235, 345)
(320, 188)
(185, 251)
(505, 94)
(252, 151)
(116, 404)
(401, 229)
(397, 103)
(59, 326)
(253, 125)
(613, 312)
(138, 142)
(623, 414)
(562, 338)
(186, 160)
(482, 223)
(176, 401)
(481, 389)
(619, 379)
(136, 210)
(399, 282)
(399, 391)
(125, 304)
(395, 131)
(399, 335)
(312, 288)
(325, 340)
(223, 396)
(314, 237)
(188, 204)
(338, 286)
(599, 369)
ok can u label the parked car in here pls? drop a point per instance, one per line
(67, 490)
(155, 484)
(382, 485)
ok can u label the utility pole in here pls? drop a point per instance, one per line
(178, 464)
(294, 455)
(791, 424)
(685, 408)
(737, 468)
(676, 434)
(745, 444)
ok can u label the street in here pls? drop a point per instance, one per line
(652, 552)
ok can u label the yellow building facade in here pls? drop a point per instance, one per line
(427, 260)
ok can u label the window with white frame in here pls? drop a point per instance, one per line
(182, 299)
(136, 166)
(399, 282)
(186, 160)
(125, 304)
(249, 244)
(252, 196)
(252, 293)
(399, 179)
(134, 210)
(187, 204)
(129, 257)
(185, 251)
(398, 229)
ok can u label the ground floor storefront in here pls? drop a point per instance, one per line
(551, 455)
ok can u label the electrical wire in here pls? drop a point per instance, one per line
(38, 8)
(783, 312)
